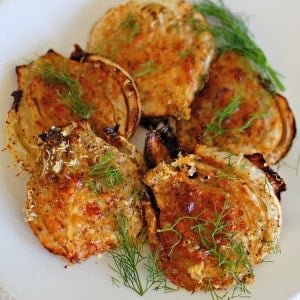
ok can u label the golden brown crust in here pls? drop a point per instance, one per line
(72, 211)
(261, 122)
(156, 44)
(105, 87)
(205, 207)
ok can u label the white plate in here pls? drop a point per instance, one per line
(29, 272)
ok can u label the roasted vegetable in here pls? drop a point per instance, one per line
(160, 48)
(54, 90)
(160, 145)
(237, 113)
(211, 216)
(79, 186)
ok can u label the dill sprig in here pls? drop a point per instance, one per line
(215, 295)
(133, 26)
(104, 169)
(232, 257)
(128, 260)
(228, 170)
(72, 97)
(146, 68)
(231, 34)
(215, 126)
(185, 53)
(274, 247)
(172, 228)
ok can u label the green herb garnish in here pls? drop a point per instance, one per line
(109, 175)
(231, 256)
(228, 170)
(215, 126)
(128, 260)
(72, 97)
(231, 34)
(185, 53)
(274, 247)
(146, 68)
(196, 24)
(133, 26)
(92, 186)
(172, 228)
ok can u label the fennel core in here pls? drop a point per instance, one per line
(231, 34)
(72, 96)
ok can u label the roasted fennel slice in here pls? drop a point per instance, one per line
(211, 216)
(78, 188)
(237, 113)
(54, 90)
(164, 53)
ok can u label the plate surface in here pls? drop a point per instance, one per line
(29, 272)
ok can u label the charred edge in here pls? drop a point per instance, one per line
(153, 149)
(276, 181)
(51, 51)
(153, 123)
(149, 198)
(160, 145)
(52, 137)
(112, 135)
(79, 54)
(151, 216)
(170, 140)
(17, 99)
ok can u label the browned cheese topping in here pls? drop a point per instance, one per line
(215, 215)
(79, 187)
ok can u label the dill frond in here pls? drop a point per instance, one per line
(232, 257)
(109, 175)
(185, 53)
(215, 295)
(132, 25)
(128, 260)
(92, 186)
(155, 277)
(146, 68)
(72, 97)
(231, 34)
(274, 247)
(172, 228)
(215, 126)
(127, 257)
